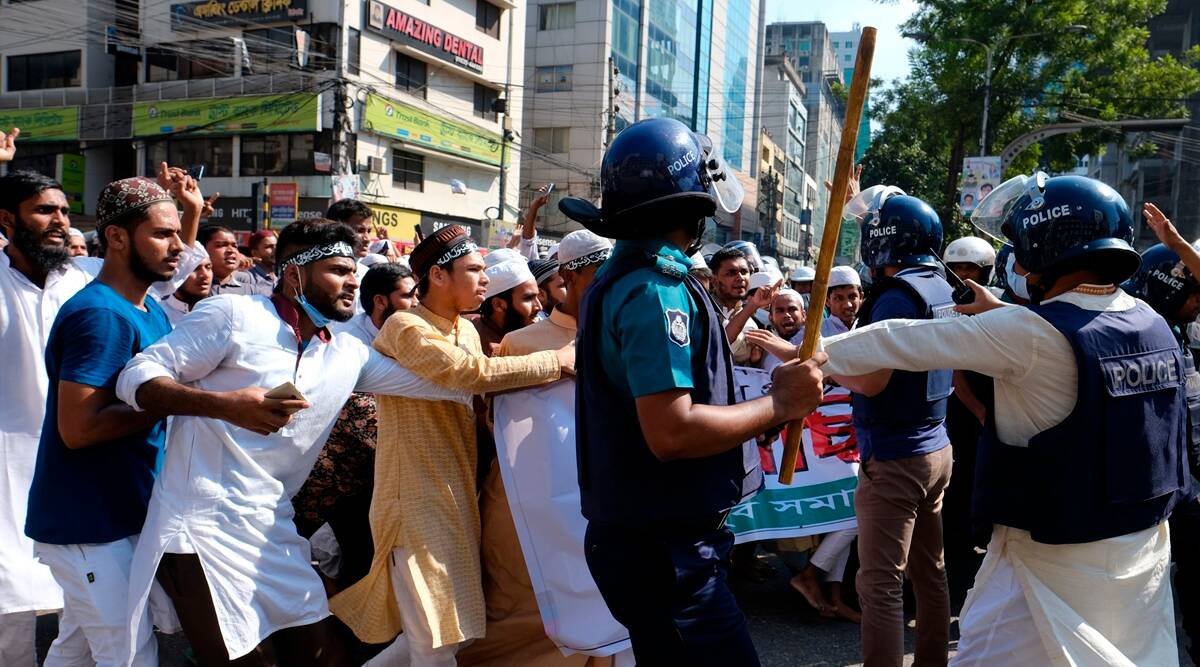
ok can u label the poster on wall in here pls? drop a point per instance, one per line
(980, 175)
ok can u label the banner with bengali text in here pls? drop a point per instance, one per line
(410, 125)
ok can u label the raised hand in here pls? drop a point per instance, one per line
(1163, 229)
(8, 144)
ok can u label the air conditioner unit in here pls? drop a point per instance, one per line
(375, 165)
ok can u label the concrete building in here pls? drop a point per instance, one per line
(809, 47)
(593, 68)
(396, 103)
(785, 120)
(772, 174)
(845, 51)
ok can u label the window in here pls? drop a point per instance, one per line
(485, 102)
(552, 139)
(846, 57)
(264, 155)
(275, 49)
(44, 70)
(408, 170)
(200, 59)
(487, 18)
(353, 51)
(214, 153)
(555, 78)
(559, 16)
(411, 75)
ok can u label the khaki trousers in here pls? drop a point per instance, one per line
(899, 505)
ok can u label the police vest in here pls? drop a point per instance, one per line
(620, 479)
(889, 423)
(1192, 383)
(1116, 464)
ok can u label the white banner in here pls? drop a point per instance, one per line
(535, 447)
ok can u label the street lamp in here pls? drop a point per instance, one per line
(990, 49)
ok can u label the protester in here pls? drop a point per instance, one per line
(218, 536)
(701, 272)
(262, 251)
(731, 278)
(357, 216)
(425, 577)
(515, 633)
(1076, 571)
(97, 458)
(787, 322)
(227, 275)
(510, 302)
(76, 243)
(551, 288)
(526, 244)
(197, 286)
(660, 439)
(802, 279)
(768, 279)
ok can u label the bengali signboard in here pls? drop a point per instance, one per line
(289, 112)
(411, 125)
(283, 200)
(423, 36)
(196, 15)
(48, 124)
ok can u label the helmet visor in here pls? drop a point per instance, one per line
(991, 213)
(868, 200)
(723, 185)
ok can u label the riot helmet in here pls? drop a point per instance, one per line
(897, 230)
(1164, 282)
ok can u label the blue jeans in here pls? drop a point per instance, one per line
(670, 590)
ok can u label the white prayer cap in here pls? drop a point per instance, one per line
(371, 259)
(582, 247)
(506, 275)
(502, 255)
(698, 261)
(841, 276)
(71, 231)
(803, 274)
(552, 251)
(764, 278)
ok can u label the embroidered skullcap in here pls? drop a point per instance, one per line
(580, 248)
(127, 197)
(440, 248)
(841, 276)
(543, 269)
(506, 275)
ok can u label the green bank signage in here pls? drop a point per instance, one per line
(50, 124)
(411, 125)
(291, 112)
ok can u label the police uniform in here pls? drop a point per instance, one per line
(656, 543)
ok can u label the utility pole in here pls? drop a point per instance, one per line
(611, 127)
(506, 124)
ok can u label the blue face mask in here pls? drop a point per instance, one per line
(318, 319)
(1017, 282)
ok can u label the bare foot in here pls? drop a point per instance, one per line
(847, 613)
(807, 584)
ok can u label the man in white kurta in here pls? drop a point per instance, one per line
(1104, 602)
(224, 491)
(28, 306)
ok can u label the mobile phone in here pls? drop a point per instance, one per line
(196, 172)
(549, 189)
(286, 391)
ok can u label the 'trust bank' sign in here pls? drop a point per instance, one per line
(404, 29)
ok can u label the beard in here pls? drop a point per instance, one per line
(330, 305)
(514, 320)
(142, 271)
(47, 258)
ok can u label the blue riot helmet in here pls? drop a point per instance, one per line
(657, 175)
(1000, 275)
(898, 230)
(1062, 224)
(747, 248)
(1164, 282)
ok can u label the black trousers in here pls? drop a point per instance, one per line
(1185, 551)
(669, 587)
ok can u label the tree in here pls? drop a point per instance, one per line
(931, 120)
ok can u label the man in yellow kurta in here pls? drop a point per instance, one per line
(515, 631)
(425, 577)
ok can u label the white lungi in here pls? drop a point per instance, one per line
(1101, 603)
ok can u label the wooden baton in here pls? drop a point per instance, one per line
(833, 226)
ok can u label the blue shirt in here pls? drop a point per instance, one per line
(99, 493)
(651, 340)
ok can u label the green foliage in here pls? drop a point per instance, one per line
(930, 121)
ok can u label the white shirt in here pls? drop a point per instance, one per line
(360, 326)
(174, 309)
(27, 313)
(224, 493)
(1032, 363)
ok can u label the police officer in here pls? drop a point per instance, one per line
(1167, 284)
(1082, 457)
(971, 258)
(660, 440)
(906, 456)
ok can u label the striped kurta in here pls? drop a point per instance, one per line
(424, 498)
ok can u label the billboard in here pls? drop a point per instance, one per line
(980, 175)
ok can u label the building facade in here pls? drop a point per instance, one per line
(281, 108)
(592, 69)
(785, 120)
(845, 51)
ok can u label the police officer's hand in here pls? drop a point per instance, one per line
(566, 358)
(984, 300)
(796, 387)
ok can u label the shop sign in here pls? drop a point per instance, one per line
(431, 222)
(395, 219)
(196, 15)
(289, 112)
(237, 212)
(283, 200)
(411, 125)
(404, 29)
(49, 124)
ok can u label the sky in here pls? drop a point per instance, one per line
(891, 50)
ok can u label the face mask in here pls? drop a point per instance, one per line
(1016, 282)
(318, 319)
